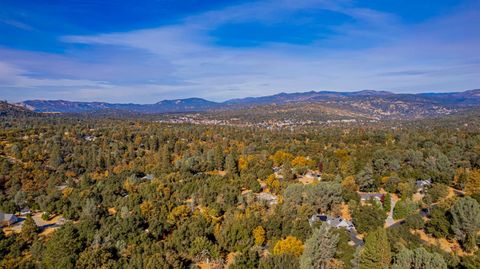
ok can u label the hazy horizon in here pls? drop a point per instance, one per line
(219, 50)
(225, 100)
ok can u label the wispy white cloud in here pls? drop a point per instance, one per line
(17, 24)
(375, 50)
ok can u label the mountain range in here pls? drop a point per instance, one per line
(379, 104)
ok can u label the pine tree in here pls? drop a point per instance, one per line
(376, 253)
(56, 157)
(165, 159)
(466, 221)
(319, 249)
(29, 230)
(287, 171)
(231, 165)
(219, 158)
(418, 259)
(365, 179)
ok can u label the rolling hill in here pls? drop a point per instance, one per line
(364, 104)
(7, 109)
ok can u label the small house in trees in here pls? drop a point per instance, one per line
(90, 138)
(267, 197)
(25, 211)
(422, 185)
(7, 219)
(313, 175)
(148, 177)
(277, 171)
(338, 223)
(334, 222)
(379, 197)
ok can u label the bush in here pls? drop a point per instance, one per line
(436, 192)
(415, 221)
(46, 216)
(255, 186)
(368, 217)
(282, 261)
(438, 226)
(404, 208)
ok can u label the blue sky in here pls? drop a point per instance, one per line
(146, 51)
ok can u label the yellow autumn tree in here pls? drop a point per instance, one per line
(146, 207)
(272, 183)
(473, 182)
(244, 161)
(259, 235)
(179, 214)
(349, 184)
(461, 176)
(290, 245)
(280, 157)
(341, 154)
(300, 161)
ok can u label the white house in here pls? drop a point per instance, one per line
(422, 184)
(335, 222)
(267, 197)
(7, 219)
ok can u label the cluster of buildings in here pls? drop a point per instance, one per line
(199, 119)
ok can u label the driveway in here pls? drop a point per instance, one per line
(390, 221)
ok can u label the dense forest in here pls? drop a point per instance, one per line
(135, 193)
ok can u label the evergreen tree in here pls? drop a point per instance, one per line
(284, 261)
(319, 249)
(287, 171)
(376, 253)
(472, 262)
(418, 259)
(219, 158)
(466, 221)
(29, 230)
(231, 164)
(165, 164)
(368, 217)
(61, 250)
(249, 259)
(56, 157)
(365, 179)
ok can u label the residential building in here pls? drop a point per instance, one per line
(7, 219)
(380, 197)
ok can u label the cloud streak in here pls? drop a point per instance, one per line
(371, 50)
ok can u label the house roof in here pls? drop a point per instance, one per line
(148, 177)
(371, 195)
(332, 221)
(422, 183)
(266, 196)
(6, 216)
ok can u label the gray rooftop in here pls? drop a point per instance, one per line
(5, 216)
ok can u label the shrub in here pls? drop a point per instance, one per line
(415, 221)
(404, 208)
